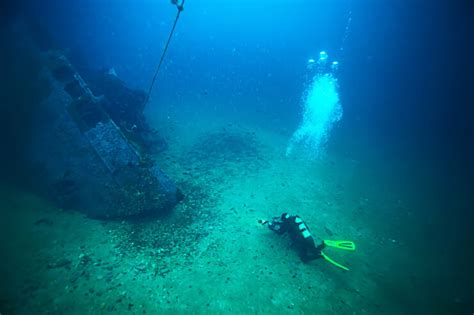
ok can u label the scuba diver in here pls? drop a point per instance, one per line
(303, 240)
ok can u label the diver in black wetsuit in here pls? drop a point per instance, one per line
(304, 241)
(299, 234)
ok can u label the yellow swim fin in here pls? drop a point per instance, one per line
(333, 262)
(346, 245)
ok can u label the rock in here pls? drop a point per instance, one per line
(44, 221)
(328, 231)
(62, 262)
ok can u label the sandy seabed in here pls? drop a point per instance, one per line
(210, 255)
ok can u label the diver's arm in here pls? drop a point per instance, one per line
(277, 227)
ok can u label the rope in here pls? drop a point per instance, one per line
(180, 9)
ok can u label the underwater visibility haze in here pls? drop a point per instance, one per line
(236, 157)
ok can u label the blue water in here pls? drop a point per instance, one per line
(254, 53)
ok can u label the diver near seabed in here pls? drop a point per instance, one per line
(303, 240)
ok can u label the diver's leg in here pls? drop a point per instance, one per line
(309, 251)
